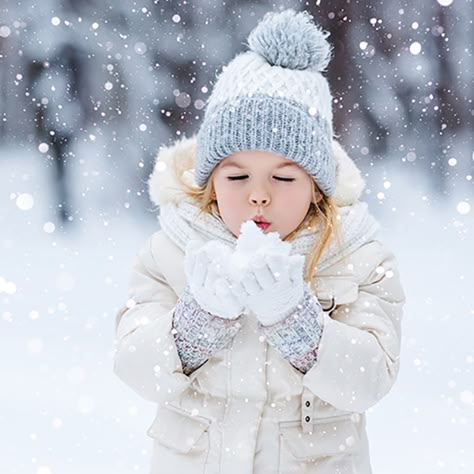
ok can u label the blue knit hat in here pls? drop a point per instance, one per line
(274, 98)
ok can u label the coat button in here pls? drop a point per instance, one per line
(307, 419)
(308, 403)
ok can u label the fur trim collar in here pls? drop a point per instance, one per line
(164, 188)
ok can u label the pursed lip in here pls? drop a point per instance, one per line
(261, 223)
(260, 220)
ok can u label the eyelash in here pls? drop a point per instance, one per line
(240, 178)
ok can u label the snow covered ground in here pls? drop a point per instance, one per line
(62, 410)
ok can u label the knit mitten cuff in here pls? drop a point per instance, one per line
(199, 334)
(297, 337)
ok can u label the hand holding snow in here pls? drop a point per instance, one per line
(260, 276)
(207, 271)
(272, 279)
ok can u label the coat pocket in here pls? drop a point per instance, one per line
(331, 437)
(179, 431)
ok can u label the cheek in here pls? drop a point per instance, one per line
(298, 199)
(225, 203)
(231, 212)
(228, 202)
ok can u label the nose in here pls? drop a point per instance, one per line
(259, 197)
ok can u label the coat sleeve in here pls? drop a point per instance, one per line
(146, 358)
(358, 354)
(160, 336)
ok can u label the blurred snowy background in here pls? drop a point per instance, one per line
(90, 89)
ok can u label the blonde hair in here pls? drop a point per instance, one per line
(321, 215)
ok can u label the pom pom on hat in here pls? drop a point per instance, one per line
(291, 40)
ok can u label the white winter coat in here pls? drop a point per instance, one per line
(247, 410)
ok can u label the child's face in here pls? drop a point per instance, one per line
(254, 184)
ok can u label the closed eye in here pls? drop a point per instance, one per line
(237, 178)
(241, 177)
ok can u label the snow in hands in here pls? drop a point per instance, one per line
(273, 279)
(252, 244)
(259, 276)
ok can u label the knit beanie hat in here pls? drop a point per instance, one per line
(273, 98)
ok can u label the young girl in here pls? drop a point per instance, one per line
(264, 316)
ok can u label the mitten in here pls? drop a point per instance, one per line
(275, 286)
(208, 274)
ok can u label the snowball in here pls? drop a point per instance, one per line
(57, 423)
(463, 208)
(49, 227)
(350, 440)
(25, 201)
(5, 31)
(183, 100)
(199, 104)
(7, 287)
(252, 241)
(140, 48)
(415, 48)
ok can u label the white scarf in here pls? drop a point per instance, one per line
(181, 224)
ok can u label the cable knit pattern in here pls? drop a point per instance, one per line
(297, 337)
(249, 75)
(282, 124)
(199, 334)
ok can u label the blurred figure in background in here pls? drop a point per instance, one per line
(57, 87)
